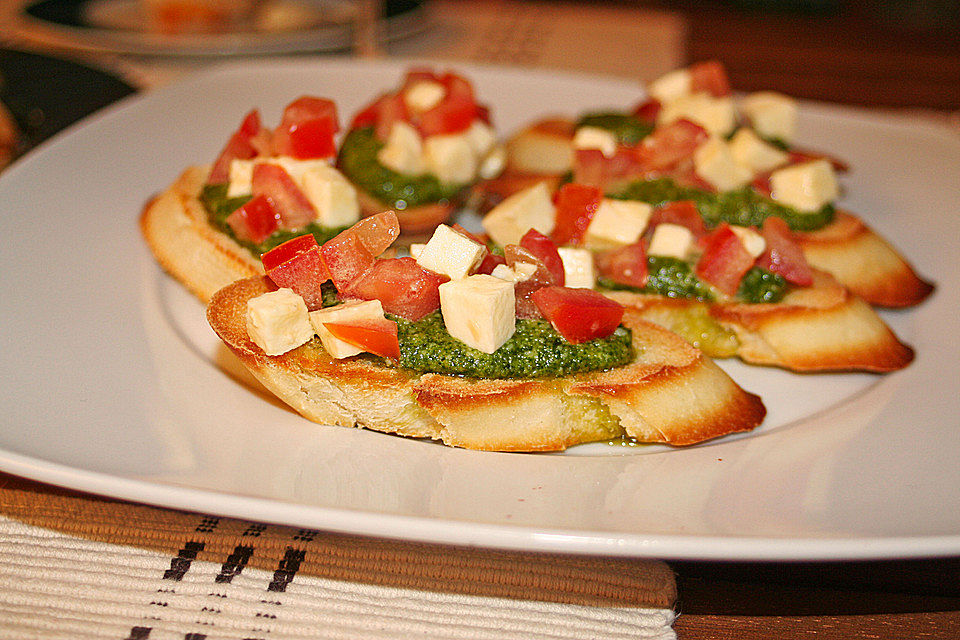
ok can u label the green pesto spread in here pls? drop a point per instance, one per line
(535, 350)
(358, 161)
(629, 130)
(675, 278)
(219, 207)
(744, 206)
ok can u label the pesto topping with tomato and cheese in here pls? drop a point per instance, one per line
(627, 129)
(358, 161)
(743, 206)
(535, 350)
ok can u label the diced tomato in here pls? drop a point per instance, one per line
(454, 112)
(669, 145)
(373, 336)
(307, 129)
(298, 264)
(241, 146)
(709, 76)
(592, 168)
(681, 212)
(579, 315)
(490, 262)
(542, 277)
(346, 259)
(382, 115)
(402, 286)
(255, 220)
(783, 255)
(648, 110)
(293, 207)
(761, 184)
(546, 251)
(626, 265)
(377, 232)
(724, 260)
(575, 205)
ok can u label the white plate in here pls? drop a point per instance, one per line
(112, 381)
(118, 26)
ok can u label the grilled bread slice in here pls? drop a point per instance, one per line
(823, 327)
(671, 393)
(847, 247)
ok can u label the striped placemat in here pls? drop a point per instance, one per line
(73, 566)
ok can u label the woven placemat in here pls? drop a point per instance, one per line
(77, 566)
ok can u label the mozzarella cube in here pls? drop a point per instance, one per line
(332, 195)
(806, 187)
(578, 271)
(241, 178)
(596, 138)
(278, 321)
(714, 162)
(451, 254)
(752, 241)
(424, 95)
(451, 158)
(617, 223)
(403, 150)
(479, 311)
(715, 114)
(518, 273)
(531, 208)
(481, 137)
(492, 164)
(350, 312)
(771, 114)
(670, 86)
(416, 249)
(671, 241)
(754, 153)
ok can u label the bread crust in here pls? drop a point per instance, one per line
(848, 248)
(670, 394)
(174, 225)
(819, 328)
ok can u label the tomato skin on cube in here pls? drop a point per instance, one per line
(297, 264)
(240, 146)
(307, 129)
(783, 255)
(255, 220)
(626, 265)
(579, 315)
(576, 205)
(724, 260)
(402, 286)
(546, 251)
(373, 336)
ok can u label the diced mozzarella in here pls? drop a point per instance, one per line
(518, 273)
(481, 137)
(752, 152)
(416, 249)
(450, 253)
(715, 163)
(595, 138)
(278, 321)
(332, 195)
(450, 157)
(578, 271)
(617, 223)
(479, 311)
(805, 187)
(670, 86)
(424, 95)
(671, 240)
(492, 164)
(772, 114)
(403, 150)
(349, 312)
(531, 208)
(715, 114)
(241, 177)
(752, 241)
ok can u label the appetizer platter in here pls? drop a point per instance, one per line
(196, 431)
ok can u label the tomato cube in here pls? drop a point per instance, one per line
(402, 286)
(579, 315)
(546, 251)
(255, 220)
(783, 255)
(293, 207)
(373, 336)
(724, 260)
(576, 205)
(626, 265)
(297, 264)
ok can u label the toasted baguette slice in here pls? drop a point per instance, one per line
(849, 249)
(818, 328)
(671, 393)
(175, 227)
